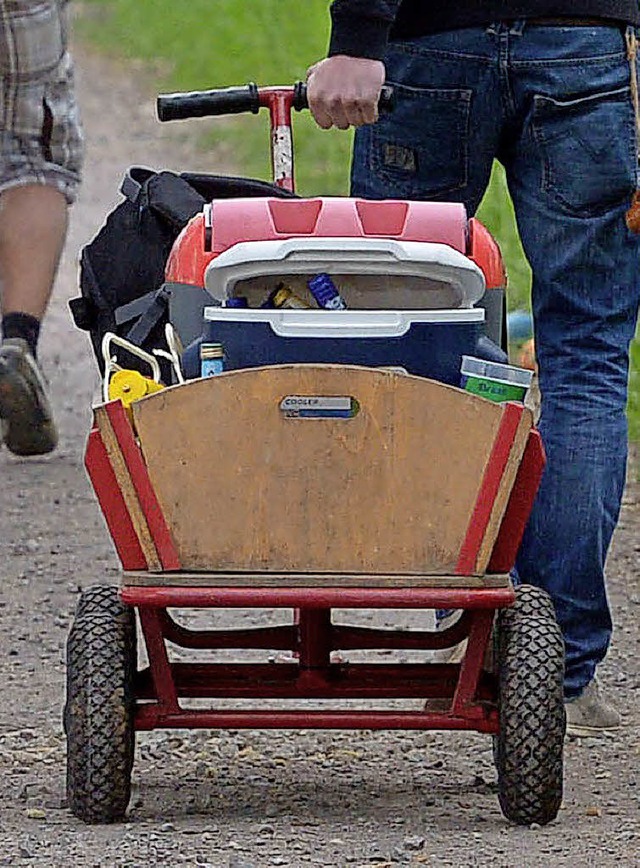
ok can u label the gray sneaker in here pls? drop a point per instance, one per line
(25, 414)
(590, 715)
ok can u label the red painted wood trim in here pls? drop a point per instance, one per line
(152, 512)
(489, 487)
(112, 504)
(523, 495)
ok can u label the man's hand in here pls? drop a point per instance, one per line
(344, 91)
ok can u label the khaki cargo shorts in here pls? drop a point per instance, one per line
(40, 135)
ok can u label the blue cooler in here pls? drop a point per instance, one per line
(429, 343)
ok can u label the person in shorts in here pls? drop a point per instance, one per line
(40, 161)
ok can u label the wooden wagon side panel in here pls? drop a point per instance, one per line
(392, 489)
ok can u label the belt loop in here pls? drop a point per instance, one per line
(633, 214)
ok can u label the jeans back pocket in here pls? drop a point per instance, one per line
(420, 150)
(588, 148)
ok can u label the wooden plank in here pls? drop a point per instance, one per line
(245, 488)
(126, 486)
(309, 580)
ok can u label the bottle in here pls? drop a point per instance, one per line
(323, 289)
(237, 301)
(211, 359)
(283, 297)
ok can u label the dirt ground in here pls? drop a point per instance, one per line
(235, 800)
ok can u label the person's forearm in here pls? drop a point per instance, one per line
(360, 28)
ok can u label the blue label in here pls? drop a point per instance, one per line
(211, 367)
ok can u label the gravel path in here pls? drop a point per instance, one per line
(235, 800)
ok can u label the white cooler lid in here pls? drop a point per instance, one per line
(370, 256)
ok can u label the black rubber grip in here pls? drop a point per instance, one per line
(385, 103)
(208, 103)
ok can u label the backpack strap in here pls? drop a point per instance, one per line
(133, 182)
(149, 309)
(167, 194)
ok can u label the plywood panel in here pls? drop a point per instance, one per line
(309, 580)
(244, 488)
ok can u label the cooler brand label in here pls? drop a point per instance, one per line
(319, 406)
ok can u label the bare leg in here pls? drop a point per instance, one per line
(33, 226)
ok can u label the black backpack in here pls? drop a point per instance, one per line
(122, 268)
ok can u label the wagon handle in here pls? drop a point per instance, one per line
(237, 100)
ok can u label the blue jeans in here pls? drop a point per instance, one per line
(553, 104)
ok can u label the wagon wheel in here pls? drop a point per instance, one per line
(98, 715)
(100, 598)
(529, 746)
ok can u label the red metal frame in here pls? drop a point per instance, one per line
(279, 101)
(465, 694)
(316, 598)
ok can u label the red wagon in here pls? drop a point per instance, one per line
(219, 493)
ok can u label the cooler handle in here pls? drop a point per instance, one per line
(334, 325)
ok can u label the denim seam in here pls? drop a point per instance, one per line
(438, 52)
(405, 48)
(595, 60)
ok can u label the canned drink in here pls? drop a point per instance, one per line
(211, 359)
(325, 292)
(238, 301)
(283, 297)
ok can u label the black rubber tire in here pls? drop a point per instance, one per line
(99, 710)
(99, 598)
(529, 746)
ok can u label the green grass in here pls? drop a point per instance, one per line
(496, 212)
(202, 44)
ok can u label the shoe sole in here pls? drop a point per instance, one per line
(20, 407)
